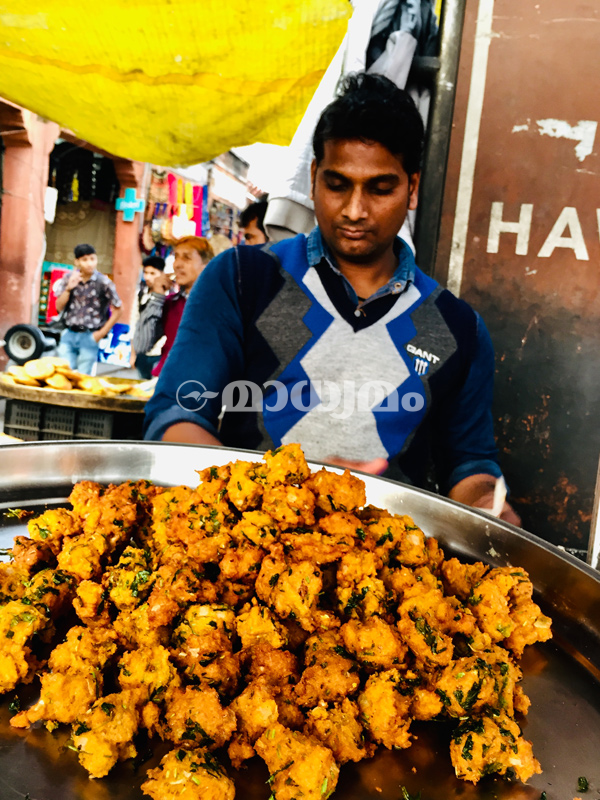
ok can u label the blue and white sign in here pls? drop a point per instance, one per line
(130, 205)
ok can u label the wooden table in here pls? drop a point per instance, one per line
(40, 413)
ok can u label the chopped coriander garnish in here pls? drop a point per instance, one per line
(272, 777)
(407, 796)
(83, 728)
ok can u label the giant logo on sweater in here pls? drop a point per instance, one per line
(422, 359)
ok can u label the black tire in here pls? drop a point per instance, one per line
(25, 342)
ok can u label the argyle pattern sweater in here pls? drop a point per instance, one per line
(406, 375)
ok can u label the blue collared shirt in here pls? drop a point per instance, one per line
(404, 273)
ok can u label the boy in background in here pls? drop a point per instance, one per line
(90, 306)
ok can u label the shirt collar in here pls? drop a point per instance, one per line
(93, 276)
(404, 274)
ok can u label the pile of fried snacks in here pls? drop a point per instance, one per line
(267, 612)
(55, 373)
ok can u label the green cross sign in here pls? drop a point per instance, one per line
(129, 205)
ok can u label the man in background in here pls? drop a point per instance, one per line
(251, 223)
(162, 315)
(90, 307)
(154, 289)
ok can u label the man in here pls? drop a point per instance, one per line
(90, 306)
(366, 361)
(154, 279)
(162, 315)
(251, 223)
(155, 285)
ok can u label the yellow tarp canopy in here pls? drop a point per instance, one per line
(172, 82)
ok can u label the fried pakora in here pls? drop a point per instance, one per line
(267, 611)
(189, 775)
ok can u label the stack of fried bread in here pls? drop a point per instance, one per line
(55, 373)
(268, 612)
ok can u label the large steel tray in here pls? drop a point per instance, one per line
(562, 677)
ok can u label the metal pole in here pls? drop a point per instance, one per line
(593, 553)
(431, 191)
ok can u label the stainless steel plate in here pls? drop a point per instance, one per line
(562, 677)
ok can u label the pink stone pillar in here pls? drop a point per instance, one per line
(128, 258)
(22, 225)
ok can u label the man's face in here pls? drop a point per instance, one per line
(87, 265)
(150, 276)
(253, 234)
(361, 193)
(187, 265)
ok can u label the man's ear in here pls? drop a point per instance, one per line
(413, 190)
(313, 174)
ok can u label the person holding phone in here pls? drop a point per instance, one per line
(156, 285)
(162, 314)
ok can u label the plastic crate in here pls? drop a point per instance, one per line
(59, 422)
(26, 434)
(22, 415)
(94, 425)
(45, 422)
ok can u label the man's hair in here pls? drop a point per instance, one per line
(199, 243)
(83, 250)
(154, 261)
(255, 211)
(373, 109)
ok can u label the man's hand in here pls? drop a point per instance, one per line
(115, 313)
(74, 279)
(374, 467)
(63, 298)
(508, 514)
(478, 491)
(189, 433)
(162, 284)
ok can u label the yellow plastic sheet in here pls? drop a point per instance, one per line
(172, 82)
